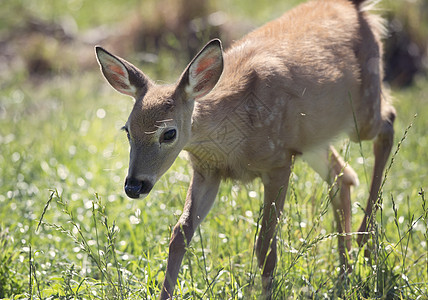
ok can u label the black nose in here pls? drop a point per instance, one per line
(134, 188)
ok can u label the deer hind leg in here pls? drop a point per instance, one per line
(374, 115)
(340, 176)
(382, 146)
(275, 184)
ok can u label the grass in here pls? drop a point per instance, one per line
(67, 231)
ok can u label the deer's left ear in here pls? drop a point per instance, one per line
(204, 71)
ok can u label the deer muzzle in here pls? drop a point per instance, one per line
(134, 188)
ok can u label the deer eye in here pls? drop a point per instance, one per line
(169, 136)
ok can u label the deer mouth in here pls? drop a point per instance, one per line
(135, 188)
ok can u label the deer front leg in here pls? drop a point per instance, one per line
(275, 185)
(200, 197)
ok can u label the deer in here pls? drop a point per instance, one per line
(285, 90)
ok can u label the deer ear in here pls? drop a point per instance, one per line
(122, 75)
(203, 72)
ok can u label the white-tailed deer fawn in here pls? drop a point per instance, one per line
(286, 89)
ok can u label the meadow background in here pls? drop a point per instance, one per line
(68, 231)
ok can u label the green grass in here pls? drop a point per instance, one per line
(67, 230)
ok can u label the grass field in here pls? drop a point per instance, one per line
(67, 230)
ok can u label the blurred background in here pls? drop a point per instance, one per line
(44, 38)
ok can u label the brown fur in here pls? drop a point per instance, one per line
(286, 89)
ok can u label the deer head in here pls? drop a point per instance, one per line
(160, 123)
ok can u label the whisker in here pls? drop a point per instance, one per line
(163, 121)
(150, 132)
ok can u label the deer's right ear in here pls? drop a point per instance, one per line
(204, 71)
(122, 75)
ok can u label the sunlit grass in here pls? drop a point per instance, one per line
(95, 242)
